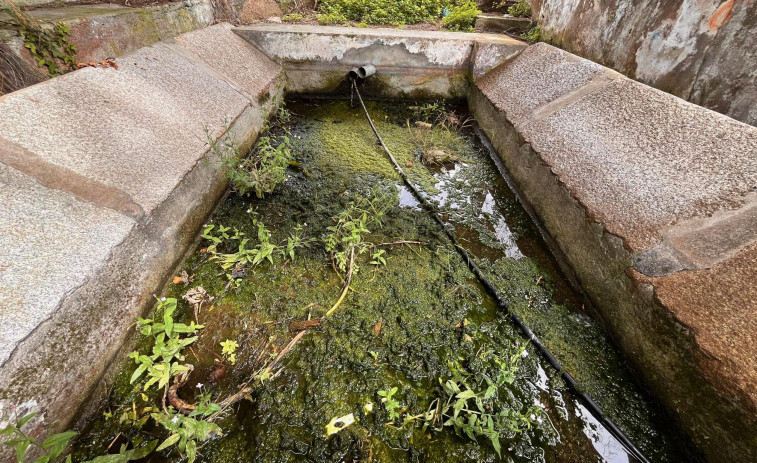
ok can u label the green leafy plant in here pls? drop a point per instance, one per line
(292, 18)
(391, 12)
(521, 9)
(392, 406)
(378, 258)
(249, 253)
(187, 431)
(48, 44)
(228, 350)
(347, 236)
(164, 362)
(331, 18)
(533, 34)
(51, 448)
(462, 17)
(433, 113)
(473, 411)
(265, 168)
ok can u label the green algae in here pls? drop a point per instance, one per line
(430, 308)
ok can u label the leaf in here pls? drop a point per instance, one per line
(25, 419)
(494, 437)
(141, 452)
(172, 439)
(191, 451)
(21, 449)
(57, 439)
(138, 372)
(468, 394)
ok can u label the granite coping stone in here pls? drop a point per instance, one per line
(137, 129)
(232, 56)
(50, 242)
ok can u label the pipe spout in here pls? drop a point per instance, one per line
(366, 71)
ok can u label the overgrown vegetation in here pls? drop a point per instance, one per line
(49, 45)
(243, 253)
(533, 34)
(461, 17)
(471, 401)
(292, 17)
(390, 12)
(169, 340)
(265, 168)
(51, 448)
(521, 9)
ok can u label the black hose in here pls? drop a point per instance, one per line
(592, 406)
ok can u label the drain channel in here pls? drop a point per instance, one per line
(587, 401)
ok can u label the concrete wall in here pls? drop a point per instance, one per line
(652, 201)
(704, 51)
(111, 31)
(104, 185)
(417, 64)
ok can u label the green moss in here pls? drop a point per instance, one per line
(431, 309)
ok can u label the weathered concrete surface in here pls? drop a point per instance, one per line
(104, 192)
(409, 63)
(704, 51)
(492, 22)
(103, 31)
(627, 178)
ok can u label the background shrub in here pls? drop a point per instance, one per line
(462, 17)
(393, 12)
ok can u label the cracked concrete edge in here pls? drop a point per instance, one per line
(114, 294)
(662, 348)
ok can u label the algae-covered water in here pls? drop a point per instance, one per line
(412, 324)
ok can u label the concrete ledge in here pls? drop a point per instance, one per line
(105, 30)
(410, 63)
(629, 179)
(106, 187)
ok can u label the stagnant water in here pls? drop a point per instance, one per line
(409, 324)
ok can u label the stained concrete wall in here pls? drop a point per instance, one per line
(111, 31)
(104, 182)
(417, 64)
(704, 51)
(652, 201)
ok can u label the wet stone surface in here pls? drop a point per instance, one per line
(409, 324)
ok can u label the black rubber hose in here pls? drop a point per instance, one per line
(590, 405)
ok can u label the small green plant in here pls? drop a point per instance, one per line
(187, 431)
(433, 113)
(292, 18)
(392, 406)
(521, 9)
(265, 168)
(378, 258)
(247, 256)
(331, 18)
(347, 236)
(229, 350)
(473, 411)
(164, 363)
(51, 448)
(462, 17)
(49, 45)
(533, 34)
